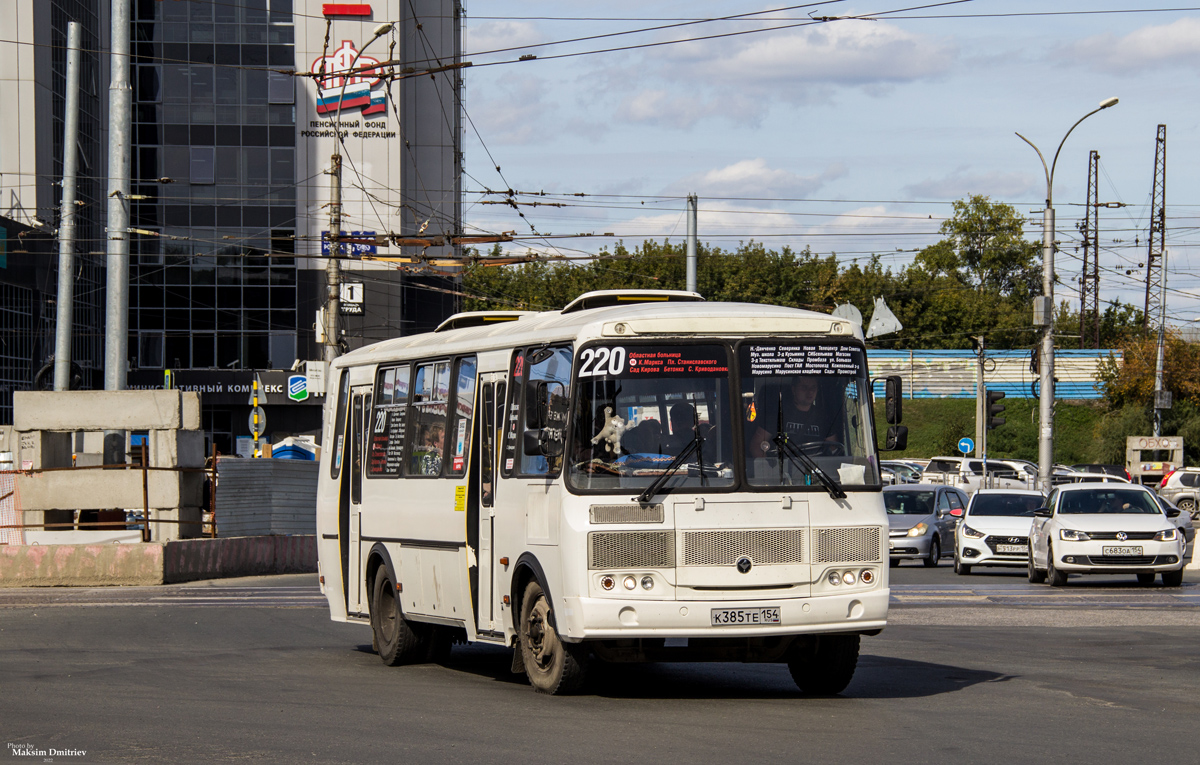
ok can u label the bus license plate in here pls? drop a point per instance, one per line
(723, 617)
(1122, 551)
(1012, 548)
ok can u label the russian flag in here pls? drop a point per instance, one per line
(353, 97)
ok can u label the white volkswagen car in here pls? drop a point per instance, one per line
(1091, 528)
(995, 530)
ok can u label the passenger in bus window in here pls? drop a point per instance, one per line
(431, 459)
(806, 417)
(683, 427)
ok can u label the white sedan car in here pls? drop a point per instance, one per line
(1090, 528)
(995, 530)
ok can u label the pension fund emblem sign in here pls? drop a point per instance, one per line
(337, 92)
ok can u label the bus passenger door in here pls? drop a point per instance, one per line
(490, 398)
(360, 410)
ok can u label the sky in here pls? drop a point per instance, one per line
(849, 135)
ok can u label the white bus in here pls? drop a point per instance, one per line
(641, 476)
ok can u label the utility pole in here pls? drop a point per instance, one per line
(66, 218)
(1158, 228)
(1089, 282)
(1162, 398)
(691, 243)
(1043, 312)
(333, 276)
(120, 115)
(980, 398)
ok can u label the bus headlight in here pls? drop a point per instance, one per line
(629, 582)
(647, 582)
(835, 578)
(849, 577)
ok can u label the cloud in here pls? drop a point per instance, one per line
(1174, 44)
(497, 35)
(961, 183)
(840, 54)
(514, 112)
(754, 178)
(739, 78)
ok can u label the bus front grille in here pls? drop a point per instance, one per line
(627, 513)
(631, 549)
(853, 545)
(761, 546)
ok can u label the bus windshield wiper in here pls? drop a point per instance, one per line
(695, 445)
(806, 463)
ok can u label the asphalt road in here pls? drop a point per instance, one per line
(254, 670)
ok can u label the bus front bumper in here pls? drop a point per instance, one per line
(611, 618)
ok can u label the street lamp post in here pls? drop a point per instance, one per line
(333, 275)
(1044, 312)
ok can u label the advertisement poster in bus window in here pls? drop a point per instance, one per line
(386, 454)
(512, 421)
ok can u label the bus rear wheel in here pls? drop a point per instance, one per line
(826, 669)
(394, 638)
(552, 666)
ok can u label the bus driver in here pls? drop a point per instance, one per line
(805, 421)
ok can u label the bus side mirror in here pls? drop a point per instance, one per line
(897, 439)
(894, 399)
(544, 442)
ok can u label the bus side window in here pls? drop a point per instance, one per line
(339, 426)
(426, 439)
(551, 365)
(487, 444)
(464, 408)
(511, 420)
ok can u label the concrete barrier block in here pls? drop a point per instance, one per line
(98, 489)
(177, 448)
(97, 410)
(193, 559)
(42, 449)
(190, 410)
(80, 565)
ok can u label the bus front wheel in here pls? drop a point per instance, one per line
(553, 666)
(827, 668)
(394, 638)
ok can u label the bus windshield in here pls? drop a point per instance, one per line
(640, 407)
(815, 397)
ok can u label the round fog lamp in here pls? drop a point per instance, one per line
(629, 582)
(867, 576)
(834, 578)
(849, 577)
(647, 582)
(607, 582)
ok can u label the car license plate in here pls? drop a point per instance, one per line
(1012, 548)
(1122, 551)
(722, 617)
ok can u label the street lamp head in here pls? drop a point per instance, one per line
(386, 27)
(1108, 102)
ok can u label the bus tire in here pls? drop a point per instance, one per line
(827, 669)
(397, 642)
(551, 665)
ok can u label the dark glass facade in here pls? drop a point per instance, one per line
(213, 281)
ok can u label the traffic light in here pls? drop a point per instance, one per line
(994, 408)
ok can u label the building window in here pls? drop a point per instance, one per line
(150, 350)
(201, 164)
(280, 89)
